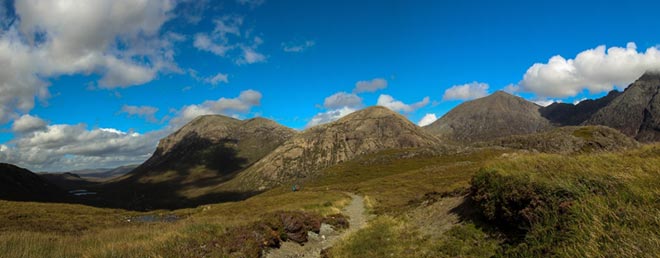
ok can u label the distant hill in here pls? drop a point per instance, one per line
(562, 114)
(19, 184)
(500, 114)
(366, 131)
(96, 173)
(205, 152)
(100, 174)
(636, 112)
(569, 139)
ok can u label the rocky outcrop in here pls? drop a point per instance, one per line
(498, 115)
(636, 112)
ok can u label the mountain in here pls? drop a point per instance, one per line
(636, 112)
(19, 184)
(568, 140)
(500, 114)
(369, 130)
(216, 142)
(563, 114)
(94, 173)
(207, 151)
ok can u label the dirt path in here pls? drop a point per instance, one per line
(327, 237)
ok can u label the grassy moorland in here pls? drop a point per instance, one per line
(472, 203)
(532, 205)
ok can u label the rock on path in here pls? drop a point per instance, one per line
(327, 236)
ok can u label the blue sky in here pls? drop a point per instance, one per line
(84, 80)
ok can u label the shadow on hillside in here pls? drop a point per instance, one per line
(195, 164)
(468, 211)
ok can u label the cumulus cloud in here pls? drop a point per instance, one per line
(398, 106)
(218, 78)
(242, 104)
(27, 123)
(329, 116)
(342, 99)
(597, 70)
(146, 112)
(65, 147)
(337, 106)
(427, 119)
(370, 86)
(467, 91)
(297, 47)
(120, 40)
(511, 88)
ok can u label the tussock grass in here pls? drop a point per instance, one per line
(598, 205)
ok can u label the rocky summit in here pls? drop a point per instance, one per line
(636, 112)
(500, 114)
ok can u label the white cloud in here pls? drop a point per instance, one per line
(577, 101)
(342, 99)
(597, 70)
(65, 147)
(545, 102)
(297, 47)
(337, 106)
(109, 38)
(224, 106)
(203, 42)
(511, 88)
(27, 123)
(398, 106)
(146, 112)
(370, 86)
(467, 91)
(220, 77)
(329, 116)
(427, 119)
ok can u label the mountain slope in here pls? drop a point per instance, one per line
(19, 184)
(636, 112)
(366, 131)
(500, 114)
(569, 114)
(205, 152)
(569, 140)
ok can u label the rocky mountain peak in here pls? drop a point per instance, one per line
(636, 112)
(497, 115)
